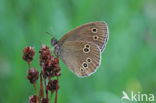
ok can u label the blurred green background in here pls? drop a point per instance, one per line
(128, 62)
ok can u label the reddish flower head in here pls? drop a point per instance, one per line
(32, 75)
(28, 54)
(50, 65)
(45, 54)
(52, 85)
(32, 99)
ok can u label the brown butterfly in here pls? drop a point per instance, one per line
(81, 48)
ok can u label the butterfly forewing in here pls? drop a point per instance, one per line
(95, 32)
(81, 57)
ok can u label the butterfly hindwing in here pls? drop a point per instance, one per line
(81, 57)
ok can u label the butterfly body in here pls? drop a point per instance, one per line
(80, 49)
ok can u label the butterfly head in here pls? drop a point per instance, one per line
(54, 42)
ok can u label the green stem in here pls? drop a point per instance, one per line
(51, 96)
(35, 86)
(56, 90)
(41, 87)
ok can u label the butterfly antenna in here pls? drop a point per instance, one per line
(49, 34)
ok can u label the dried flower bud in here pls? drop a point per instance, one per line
(58, 73)
(44, 100)
(28, 54)
(32, 75)
(52, 85)
(32, 99)
(45, 54)
(50, 65)
(48, 69)
(57, 70)
(56, 61)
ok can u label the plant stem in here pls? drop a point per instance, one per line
(35, 86)
(41, 87)
(51, 95)
(56, 90)
(29, 65)
(46, 89)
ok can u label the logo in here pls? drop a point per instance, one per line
(140, 97)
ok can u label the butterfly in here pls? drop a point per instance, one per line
(81, 48)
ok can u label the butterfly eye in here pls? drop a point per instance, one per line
(81, 69)
(95, 37)
(84, 64)
(94, 30)
(88, 60)
(87, 46)
(86, 50)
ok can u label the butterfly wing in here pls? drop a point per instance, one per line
(83, 58)
(95, 32)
